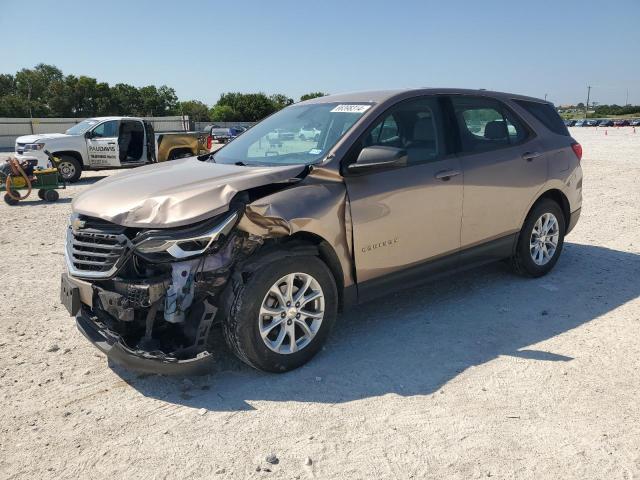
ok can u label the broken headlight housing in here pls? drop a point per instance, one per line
(184, 243)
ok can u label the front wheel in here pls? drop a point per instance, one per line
(69, 168)
(281, 316)
(540, 241)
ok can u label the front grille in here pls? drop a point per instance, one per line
(95, 248)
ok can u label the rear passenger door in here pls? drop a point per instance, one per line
(503, 168)
(405, 216)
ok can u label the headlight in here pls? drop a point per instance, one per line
(34, 146)
(186, 243)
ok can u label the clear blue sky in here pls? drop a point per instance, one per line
(204, 48)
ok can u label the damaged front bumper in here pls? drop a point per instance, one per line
(114, 347)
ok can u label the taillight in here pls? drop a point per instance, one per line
(577, 149)
(209, 142)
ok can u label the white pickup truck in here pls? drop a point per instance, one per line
(109, 142)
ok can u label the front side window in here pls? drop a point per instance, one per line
(413, 125)
(484, 124)
(106, 130)
(299, 134)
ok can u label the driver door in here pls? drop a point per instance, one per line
(407, 217)
(102, 145)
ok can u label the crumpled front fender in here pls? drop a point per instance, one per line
(316, 206)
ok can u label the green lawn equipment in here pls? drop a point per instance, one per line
(16, 176)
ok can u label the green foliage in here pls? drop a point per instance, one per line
(249, 107)
(309, 96)
(280, 101)
(44, 91)
(224, 113)
(195, 109)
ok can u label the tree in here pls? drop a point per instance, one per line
(309, 96)
(7, 84)
(126, 99)
(280, 101)
(195, 109)
(249, 107)
(224, 113)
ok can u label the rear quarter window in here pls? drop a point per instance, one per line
(547, 115)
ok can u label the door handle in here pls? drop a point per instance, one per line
(111, 143)
(528, 156)
(445, 175)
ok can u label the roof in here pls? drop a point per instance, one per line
(379, 96)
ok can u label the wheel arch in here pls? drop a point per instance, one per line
(328, 255)
(72, 153)
(301, 243)
(560, 198)
(178, 151)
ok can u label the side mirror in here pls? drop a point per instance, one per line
(376, 158)
(88, 134)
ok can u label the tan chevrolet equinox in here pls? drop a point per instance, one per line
(323, 205)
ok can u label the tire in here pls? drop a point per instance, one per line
(69, 168)
(41, 194)
(528, 260)
(244, 318)
(175, 155)
(51, 195)
(10, 200)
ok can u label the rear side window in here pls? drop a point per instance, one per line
(546, 114)
(485, 124)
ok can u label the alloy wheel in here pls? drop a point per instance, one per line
(291, 313)
(544, 239)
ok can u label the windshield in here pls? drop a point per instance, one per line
(82, 127)
(299, 134)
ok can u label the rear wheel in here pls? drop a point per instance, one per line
(69, 168)
(541, 240)
(280, 317)
(176, 154)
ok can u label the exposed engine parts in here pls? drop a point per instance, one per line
(171, 312)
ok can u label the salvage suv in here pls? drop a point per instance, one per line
(270, 241)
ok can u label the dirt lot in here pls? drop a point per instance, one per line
(481, 375)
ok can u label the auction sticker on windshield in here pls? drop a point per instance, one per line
(350, 108)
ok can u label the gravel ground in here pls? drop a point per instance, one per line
(482, 375)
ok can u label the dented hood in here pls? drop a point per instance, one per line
(173, 194)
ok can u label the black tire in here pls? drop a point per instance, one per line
(176, 154)
(522, 261)
(51, 195)
(10, 200)
(69, 168)
(41, 194)
(241, 328)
